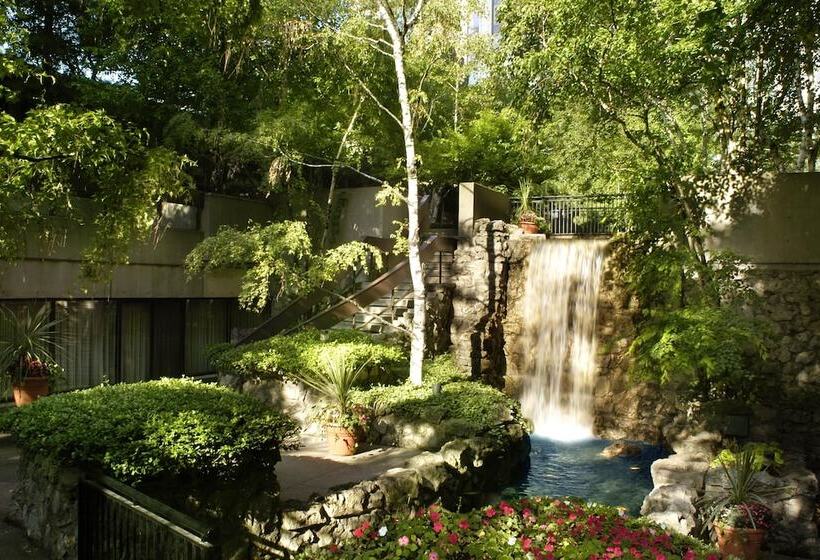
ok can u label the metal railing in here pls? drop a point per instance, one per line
(591, 214)
(119, 522)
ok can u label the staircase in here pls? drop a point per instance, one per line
(391, 309)
(389, 295)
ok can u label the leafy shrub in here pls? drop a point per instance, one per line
(764, 456)
(478, 406)
(710, 351)
(145, 430)
(288, 356)
(536, 528)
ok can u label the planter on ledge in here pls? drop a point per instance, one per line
(341, 441)
(31, 389)
(741, 543)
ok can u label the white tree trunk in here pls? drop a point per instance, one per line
(413, 236)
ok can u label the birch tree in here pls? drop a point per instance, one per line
(415, 37)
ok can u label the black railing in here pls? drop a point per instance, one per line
(592, 214)
(118, 522)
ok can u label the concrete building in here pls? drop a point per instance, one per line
(148, 320)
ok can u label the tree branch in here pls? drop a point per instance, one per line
(373, 97)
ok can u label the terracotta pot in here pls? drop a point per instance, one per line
(30, 390)
(528, 227)
(743, 543)
(340, 440)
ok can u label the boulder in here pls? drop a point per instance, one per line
(621, 449)
(684, 469)
(672, 497)
(673, 521)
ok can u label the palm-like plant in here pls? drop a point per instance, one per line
(334, 379)
(525, 189)
(743, 487)
(28, 350)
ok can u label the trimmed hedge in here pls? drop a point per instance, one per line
(525, 529)
(478, 407)
(286, 356)
(142, 431)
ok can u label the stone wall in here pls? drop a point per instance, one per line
(790, 300)
(45, 505)
(457, 476)
(480, 273)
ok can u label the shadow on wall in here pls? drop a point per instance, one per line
(780, 225)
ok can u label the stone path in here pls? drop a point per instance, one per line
(13, 543)
(310, 470)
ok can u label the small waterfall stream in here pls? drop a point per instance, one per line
(560, 303)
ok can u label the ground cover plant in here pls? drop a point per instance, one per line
(446, 394)
(142, 431)
(288, 356)
(529, 528)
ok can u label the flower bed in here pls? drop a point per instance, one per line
(533, 529)
(286, 356)
(148, 430)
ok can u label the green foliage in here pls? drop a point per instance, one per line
(334, 377)
(289, 356)
(710, 351)
(742, 486)
(518, 530)
(142, 431)
(496, 149)
(279, 257)
(28, 350)
(45, 157)
(765, 456)
(478, 406)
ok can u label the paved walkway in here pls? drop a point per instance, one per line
(13, 543)
(310, 470)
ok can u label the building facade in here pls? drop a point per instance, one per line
(147, 321)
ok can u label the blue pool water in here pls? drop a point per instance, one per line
(577, 469)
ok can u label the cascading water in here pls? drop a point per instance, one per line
(560, 303)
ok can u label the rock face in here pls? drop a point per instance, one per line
(480, 274)
(678, 481)
(621, 449)
(460, 472)
(45, 505)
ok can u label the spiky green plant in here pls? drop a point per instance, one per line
(744, 486)
(28, 350)
(334, 378)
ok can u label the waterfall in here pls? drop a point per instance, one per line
(560, 307)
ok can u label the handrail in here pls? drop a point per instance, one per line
(379, 287)
(152, 508)
(297, 308)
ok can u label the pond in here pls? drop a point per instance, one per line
(577, 469)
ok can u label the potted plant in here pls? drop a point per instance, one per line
(334, 379)
(527, 219)
(736, 512)
(26, 363)
(741, 529)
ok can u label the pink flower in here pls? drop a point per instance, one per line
(526, 543)
(437, 527)
(689, 555)
(432, 556)
(404, 540)
(490, 512)
(435, 516)
(463, 524)
(453, 538)
(506, 509)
